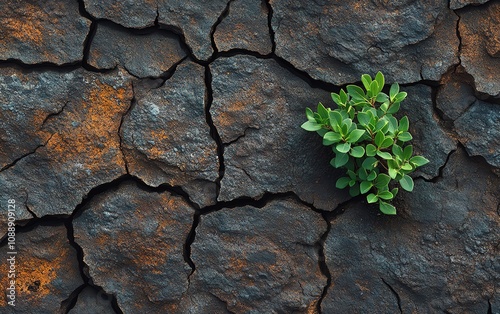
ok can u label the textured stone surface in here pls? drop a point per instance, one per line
(142, 55)
(260, 260)
(429, 140)
(167, 140)
(440, 254)
(480, 32)
(479, 131)
(192, 19)
(457, 4)
(133, 245)
(245, 27)
(338, 41)
(42, 31)
(82, 144)
(258, 119)
(90, 300)
(46, 269)
(453, 98)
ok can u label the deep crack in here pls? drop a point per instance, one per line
(395, 294)
(270, 25)
(214, 133)
(221, 17)
(323, 265)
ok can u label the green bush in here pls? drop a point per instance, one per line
(368, 141)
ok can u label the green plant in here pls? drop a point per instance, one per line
(368, 141)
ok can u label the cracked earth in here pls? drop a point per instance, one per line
(154, 153)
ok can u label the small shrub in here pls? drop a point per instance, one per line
(368, 141)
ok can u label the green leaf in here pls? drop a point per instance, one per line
(351, 174)
(374, 88)
(366, 80)
(387, 208)
(404, 124)
(343, 96)
(384, 155)
(357, 151)
(356, 92)
(379, 138)
(323, 113)
(382, 97)
(310, 115)
(371, 150)
(354, 136)
(405, 137)
(398, 151)
(380, 80)
(335, 120)
(408, 151)
(387, 142)
(342, 182)
(394, 91)
(406, 183)
(395, 191)
(385, 195)
(407, 167)
(336, 99)
(369, 163)
(394, 108)
(380, 124)
(362, 174)
(311, 126)
(343, 147)
(384, 106)
(354, 190)
(371, 176)
(364, 118)
(419, 161)
(365, 186)
(371, 198)
(393, 173)
(332, 137)
(340, 160)
(382, 181)
(400, 97)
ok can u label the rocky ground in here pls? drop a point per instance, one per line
(154, 154)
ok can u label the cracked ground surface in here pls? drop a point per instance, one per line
(154, 153)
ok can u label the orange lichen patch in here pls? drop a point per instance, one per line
(28, 25)
(89, 131)
(34, 276)
(238, 265)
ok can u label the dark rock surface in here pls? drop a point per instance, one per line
(337, 42)
(132, 242)
(245, 27)
(90, 300)
(453, 98)
(440, 254)
(80, 142)
(167, 140)
(265, 151)
(260, 260)
(192, 19)
(46, 269)
(429, 140)
(142, 55)
(457, 4)
(42, 31)
(479, 131)
(480, 32)
(155, 156)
